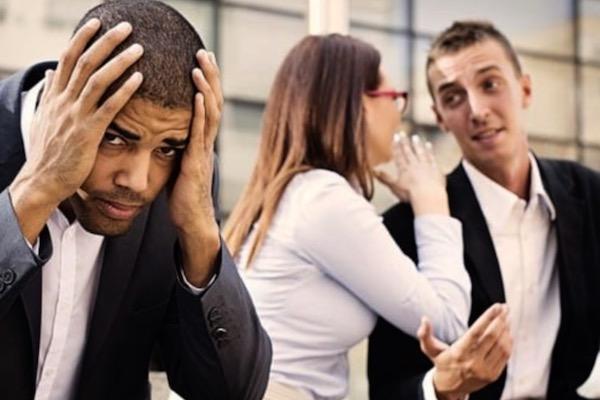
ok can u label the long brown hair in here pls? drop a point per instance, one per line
(313, 119)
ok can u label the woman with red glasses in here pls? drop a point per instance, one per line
(314, 254)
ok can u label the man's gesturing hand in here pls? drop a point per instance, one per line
(70, 123)
(473, 361)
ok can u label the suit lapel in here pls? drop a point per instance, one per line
(480, 254)
(569, 228)
(120, 256)
(570, 263)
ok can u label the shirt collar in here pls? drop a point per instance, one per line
(537, 188)
(497, 202)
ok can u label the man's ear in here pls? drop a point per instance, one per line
(438, 119)
(525, 82)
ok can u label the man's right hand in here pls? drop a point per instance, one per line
(69, 122)
(473, 361)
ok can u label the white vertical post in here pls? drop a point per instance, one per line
(328, 16)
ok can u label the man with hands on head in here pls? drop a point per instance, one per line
(109, 246)
(530, 227)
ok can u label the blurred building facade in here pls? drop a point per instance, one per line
(558, 42)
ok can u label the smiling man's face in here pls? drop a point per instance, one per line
(135, 159)
(481, 99)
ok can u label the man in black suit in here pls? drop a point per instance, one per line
(109, 246)
(531, 230)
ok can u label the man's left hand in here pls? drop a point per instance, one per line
(191, 204)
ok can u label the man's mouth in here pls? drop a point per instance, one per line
(118, 210)
(487, 136)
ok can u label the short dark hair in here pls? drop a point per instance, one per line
(466, 33)
(170, 43)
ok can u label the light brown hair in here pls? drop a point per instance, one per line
(463, 34)
(313, 119)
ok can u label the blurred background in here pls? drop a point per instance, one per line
(558, 42)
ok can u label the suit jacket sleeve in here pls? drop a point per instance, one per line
(213, 345)
(18, 262)
(396, 365)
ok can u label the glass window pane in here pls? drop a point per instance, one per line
(552, 110)
(421, 100)
(541, 25)
(43, 41)
(2, 9)
(200, 14)
(288, 5)
(590, 30)
(591, 157)
(66, 13)
(238, 141)
(384, 13)
(394, 53)
(253, 45)
(545, 148)
(48, 33)
(591, 104)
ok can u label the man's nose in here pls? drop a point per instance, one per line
(134, 171)
(479, 107)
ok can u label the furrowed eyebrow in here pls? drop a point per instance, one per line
(488, 69)
(179, 143)
(448, 85)
(125, 133)
(445, 86)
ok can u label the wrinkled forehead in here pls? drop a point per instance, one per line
(149, 120)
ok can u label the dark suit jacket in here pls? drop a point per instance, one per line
(396, 364)
(212, 346)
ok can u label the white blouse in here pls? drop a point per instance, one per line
(328, 267)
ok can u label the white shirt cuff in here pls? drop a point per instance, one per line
(193, 288)
(429, 389)
(427, 385)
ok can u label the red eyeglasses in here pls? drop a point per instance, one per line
(401, 98)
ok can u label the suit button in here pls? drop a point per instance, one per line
(214, 316)
(7, 276)
(2, 287)
(219, 333)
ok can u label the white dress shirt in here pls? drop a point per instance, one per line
(69, 284)
(524, 238)
(328, 267)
